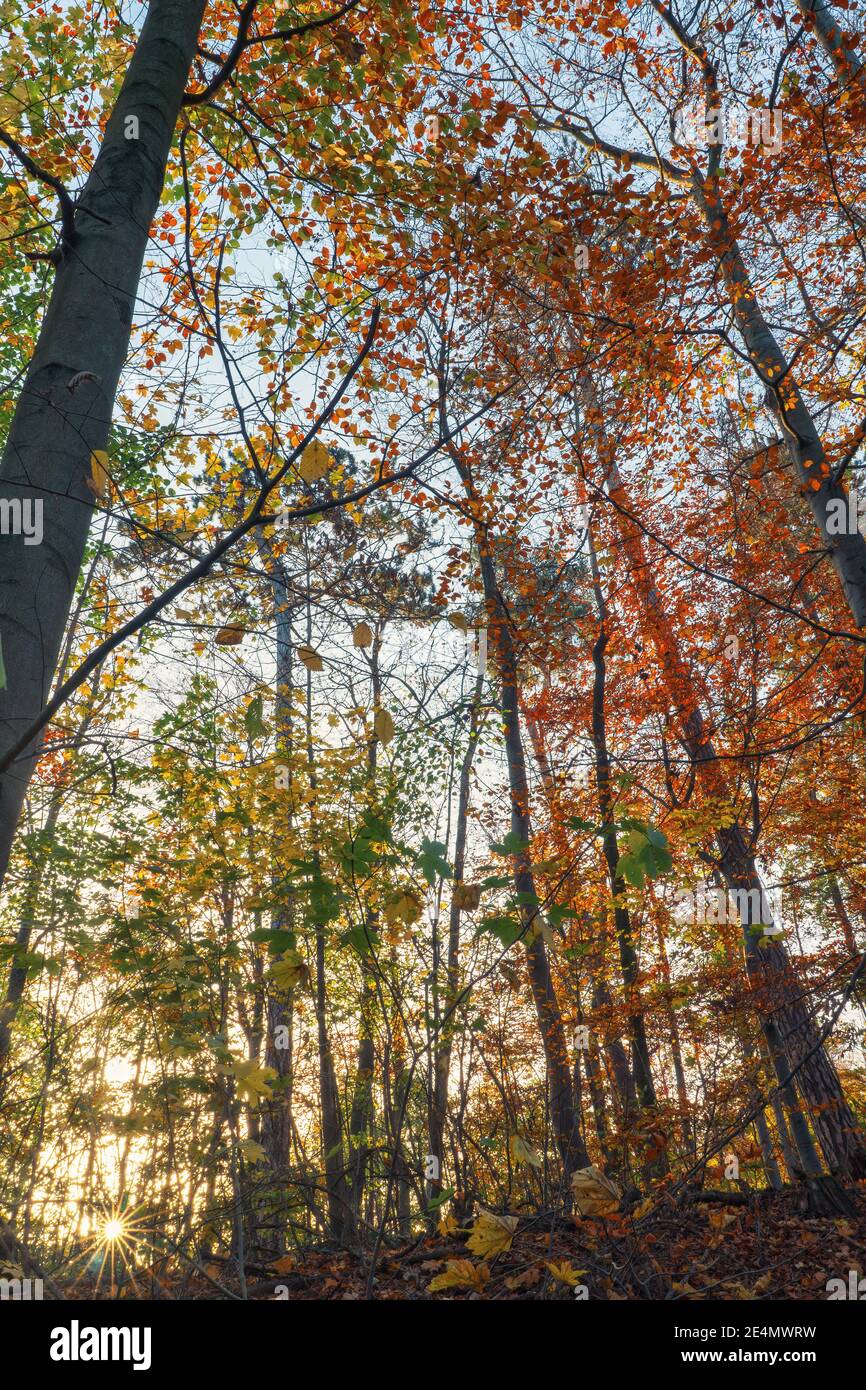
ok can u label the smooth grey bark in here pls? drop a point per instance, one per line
(445, 1024)
(60, 421)
(846, 550)
(657, 1166)
(829, 31)
(565, 1122)
(279, 1005)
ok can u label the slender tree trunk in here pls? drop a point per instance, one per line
(565, 1123)
(362, 1113)
(279, 1039)
(646, 1096)
(332, 1134)
(602, 1002)
(60, 421)
(17, 978)
(446, 1022)
(687, 1127)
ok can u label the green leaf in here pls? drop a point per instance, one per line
(431, 862)
(253, 718)
(557, 915)
(361, 939)
(277, 941)
(632, 870)
(507, 929)
(512, 844)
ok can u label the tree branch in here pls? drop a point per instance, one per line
(67, 206)
(243, 41)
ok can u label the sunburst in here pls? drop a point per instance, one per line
(119, 1233)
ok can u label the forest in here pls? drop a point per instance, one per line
(433, 650)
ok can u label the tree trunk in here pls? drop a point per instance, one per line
(565, 1122)
(657, 1166)
(57, 426)
(446, 1021)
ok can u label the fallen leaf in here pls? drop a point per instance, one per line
(460, 1274)
(594, 1194)
(566, 1273)
(525, 1280)
(492, 1234)
(447, 1225)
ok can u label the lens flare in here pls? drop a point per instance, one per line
(113, 1230)
(118, 1232)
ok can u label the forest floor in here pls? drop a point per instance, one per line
(763, 1248)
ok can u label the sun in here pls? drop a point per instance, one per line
(114, 1229)
(117, 1234)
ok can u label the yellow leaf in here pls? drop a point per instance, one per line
(99, 481)
(253, 1082)
(288, 971)
(447, 1225)
(253, 1152)
(522, 1152)
(566, 1273)
(594, 1194)
(404, 907)
(315, 461)
(466, 896)
(457, 620)
(492, 1234)
(311, 658)
(383, 726)
(362, 636)
(461, 1274)
(720, 1220)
